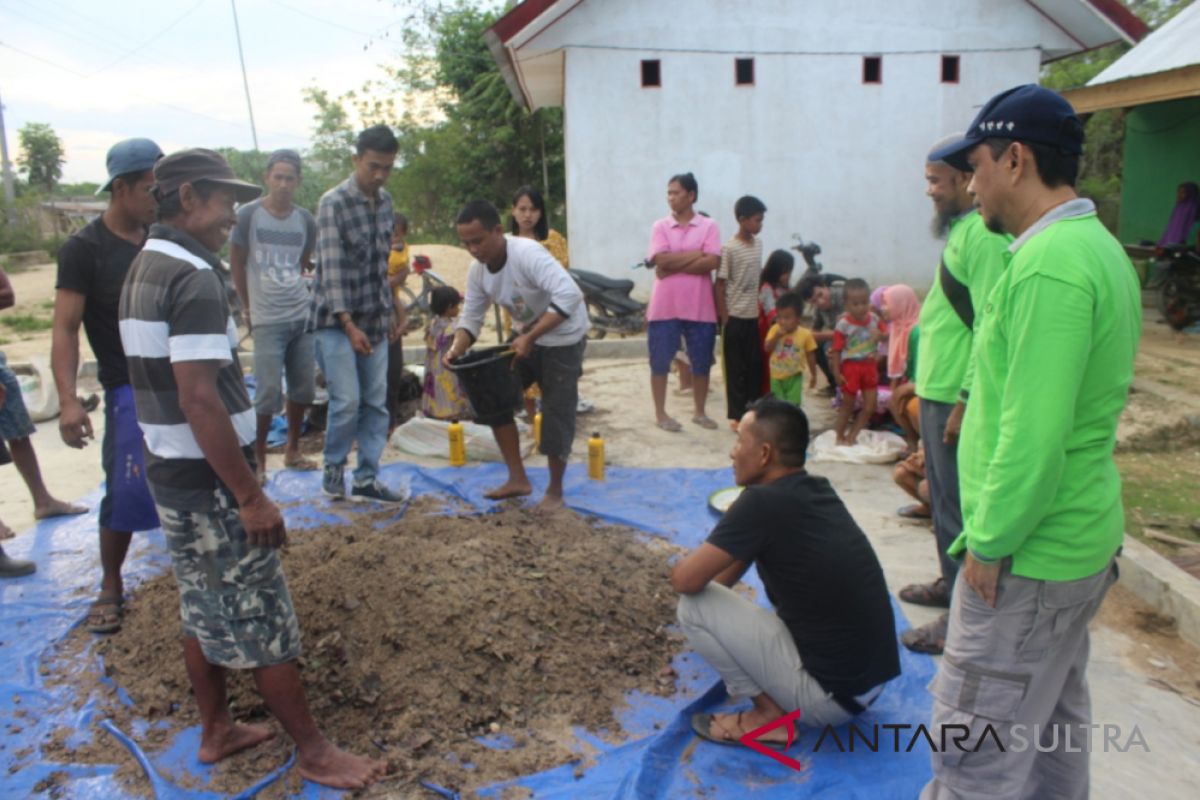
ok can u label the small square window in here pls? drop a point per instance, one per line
(651, 73)
(949, 69)
(743, 69)
(872, 69)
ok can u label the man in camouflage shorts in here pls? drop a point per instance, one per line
(222, 530)
(236, 628)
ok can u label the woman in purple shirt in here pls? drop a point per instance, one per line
(685, 249)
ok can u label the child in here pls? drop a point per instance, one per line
(856, 338)
(736, 295)
(790, 346)
(398, 257)
(900, 309)
(776, 278)
(442, 397)
(398, 260)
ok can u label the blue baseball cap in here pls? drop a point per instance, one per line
(1026, 113)
(130, 155)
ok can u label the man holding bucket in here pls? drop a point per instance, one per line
(551, 321)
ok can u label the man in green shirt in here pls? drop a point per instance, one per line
(1041, 498)
(972, 261)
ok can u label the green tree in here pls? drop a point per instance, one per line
(462, 136)
(41, 155)
(1104, 131)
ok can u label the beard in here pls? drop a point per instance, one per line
(939, 225)
(993, 224)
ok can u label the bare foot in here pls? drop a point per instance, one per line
(340, 770)
(232, 740)
(57, 508)
(510, 489)
(852, 439)
(842, 441)
(549, 503)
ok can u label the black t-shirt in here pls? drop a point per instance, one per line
(93, 262)
(822, 576)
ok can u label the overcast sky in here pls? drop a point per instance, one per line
(168, 69)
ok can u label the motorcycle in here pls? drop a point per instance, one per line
(611, 309)
(1179, 285)
(813, 268)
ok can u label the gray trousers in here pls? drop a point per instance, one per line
(1018, 665)
(941, 470)
(753, 651)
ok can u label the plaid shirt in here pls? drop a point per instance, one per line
(352, 256)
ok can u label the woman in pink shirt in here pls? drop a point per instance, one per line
(685, 249)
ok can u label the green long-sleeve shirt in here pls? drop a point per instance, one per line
(1053, 360)
(975, 257)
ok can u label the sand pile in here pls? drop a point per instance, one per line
(424, 633)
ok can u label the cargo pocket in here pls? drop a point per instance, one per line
(975, 706)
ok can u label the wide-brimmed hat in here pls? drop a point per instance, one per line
(199, 165)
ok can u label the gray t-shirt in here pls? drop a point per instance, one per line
(274, 250)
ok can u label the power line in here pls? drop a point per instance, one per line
(322, 20)
(113, 33)
(151, 40)
(142, 97)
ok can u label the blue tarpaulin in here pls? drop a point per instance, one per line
(660, 758)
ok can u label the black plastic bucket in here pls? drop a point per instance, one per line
(491, 383)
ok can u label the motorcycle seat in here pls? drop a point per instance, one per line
(624, 286)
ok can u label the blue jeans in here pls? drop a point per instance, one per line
(357, 387)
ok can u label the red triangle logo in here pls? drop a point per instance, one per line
(787, 720)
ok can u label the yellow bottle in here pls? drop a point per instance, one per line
(596, 457)
(537, 429)
(458, 444)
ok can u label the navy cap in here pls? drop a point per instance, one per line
(130, 155)
(1026, 113)
(199, 165)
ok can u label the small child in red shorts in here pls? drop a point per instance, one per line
(856, 338)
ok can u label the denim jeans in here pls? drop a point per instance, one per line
(357, 387)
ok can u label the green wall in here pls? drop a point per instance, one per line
(1162, 150)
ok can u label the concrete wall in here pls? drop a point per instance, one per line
(1162, 150)
(837, 160)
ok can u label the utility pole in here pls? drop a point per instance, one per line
(6, 165)
(245, 82)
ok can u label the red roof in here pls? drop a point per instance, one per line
(515, 21)
(526, 12)
(1116, 12)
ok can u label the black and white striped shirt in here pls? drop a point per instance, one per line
(174, 308)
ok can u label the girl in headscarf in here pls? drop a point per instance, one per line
(900, 307)
(1186, 212)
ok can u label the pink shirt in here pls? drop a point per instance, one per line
(683, 296)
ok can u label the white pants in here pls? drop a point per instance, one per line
(753, 651)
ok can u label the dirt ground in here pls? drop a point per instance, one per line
(423, 634)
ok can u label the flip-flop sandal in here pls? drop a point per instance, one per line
(669, 425)
(705, 422)
(303, 463)
(913, 511)
(110, 611)
(702, 727)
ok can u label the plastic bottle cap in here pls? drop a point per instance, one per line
(595, 434)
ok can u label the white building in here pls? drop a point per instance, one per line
(823, 109)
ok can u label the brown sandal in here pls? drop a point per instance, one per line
(106, 614)
(934, 595)
(929, 638)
